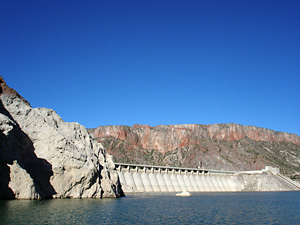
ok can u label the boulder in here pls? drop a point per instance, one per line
(184, 194)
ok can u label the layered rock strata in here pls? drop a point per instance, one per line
(41, 156)
(218, 146)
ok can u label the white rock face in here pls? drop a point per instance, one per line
(41, 156)
(19, 177)
(264, 182)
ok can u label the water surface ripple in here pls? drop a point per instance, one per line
(201, 208)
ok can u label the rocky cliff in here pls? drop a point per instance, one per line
(218, 146)
(41, 156)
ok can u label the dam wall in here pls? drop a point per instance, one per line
(147, 178)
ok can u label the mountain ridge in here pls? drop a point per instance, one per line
(218, 146)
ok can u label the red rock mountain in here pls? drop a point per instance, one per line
(218, 146)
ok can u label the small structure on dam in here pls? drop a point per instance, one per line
(147, 178)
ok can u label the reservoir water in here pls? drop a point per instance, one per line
(200, 208)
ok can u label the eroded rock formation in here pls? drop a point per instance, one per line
(41, 156)
(218, 146)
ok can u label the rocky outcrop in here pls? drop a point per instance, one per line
(218, 146)
(265, 182)
(234, 132)
(41, 156)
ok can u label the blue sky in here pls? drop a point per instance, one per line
(155, 62)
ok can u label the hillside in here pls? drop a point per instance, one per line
(218, 146)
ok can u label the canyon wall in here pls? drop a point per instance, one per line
(217, 146)
(41, 156)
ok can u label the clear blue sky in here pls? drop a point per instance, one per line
(101, 62)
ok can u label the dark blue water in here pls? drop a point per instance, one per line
(201, 208)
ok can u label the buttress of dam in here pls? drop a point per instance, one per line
(145, 178)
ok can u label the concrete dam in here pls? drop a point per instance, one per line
(147, 178)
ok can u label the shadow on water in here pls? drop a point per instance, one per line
(17, 146)
(56, 211)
